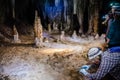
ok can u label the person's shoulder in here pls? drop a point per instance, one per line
(116, 22)
(113, 23)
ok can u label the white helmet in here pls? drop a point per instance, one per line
(94, 52)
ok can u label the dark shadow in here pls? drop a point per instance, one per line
(7, 44)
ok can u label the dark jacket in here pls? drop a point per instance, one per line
(114, 34)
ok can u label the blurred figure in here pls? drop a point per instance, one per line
(113, 35)
(110, 16)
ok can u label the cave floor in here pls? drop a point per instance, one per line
(55, 61)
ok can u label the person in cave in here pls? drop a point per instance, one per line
(110, 17)
(113, 35)
(108, 61)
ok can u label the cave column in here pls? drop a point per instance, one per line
(15, 32)
(75, 6)
(38, 31)
(65, 9)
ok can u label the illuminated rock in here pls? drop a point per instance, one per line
(97, 36)
(74, 36)
(38, 31)
(16, 35)
(49, 28)
(62, 36)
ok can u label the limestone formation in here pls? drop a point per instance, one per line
(97, 36)
(62, 36)
(74, 35)
(16, 35)
(49, 28)
(38, 31)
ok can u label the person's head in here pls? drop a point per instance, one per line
(94, 55)
(115, 7)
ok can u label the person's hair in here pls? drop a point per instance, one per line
(99, 57)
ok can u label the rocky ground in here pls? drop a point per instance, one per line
(55, 61)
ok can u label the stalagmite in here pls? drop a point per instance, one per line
(15, 32)
(62, 36)
(38, 32)
(16, 35)
(96, 36)
(49, 28)
(74, 35)
(54, 26)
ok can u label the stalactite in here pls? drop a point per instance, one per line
(65, 10)
(94, 16)
(81, 4)
(91, 16)
(75, 6)
(88, 9)
(69, 14)
(96, 22)
(24, 12)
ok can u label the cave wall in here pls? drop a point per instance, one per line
(5, 10)
(24, 11)
(88, 13)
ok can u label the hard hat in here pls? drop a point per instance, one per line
(94, 52)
